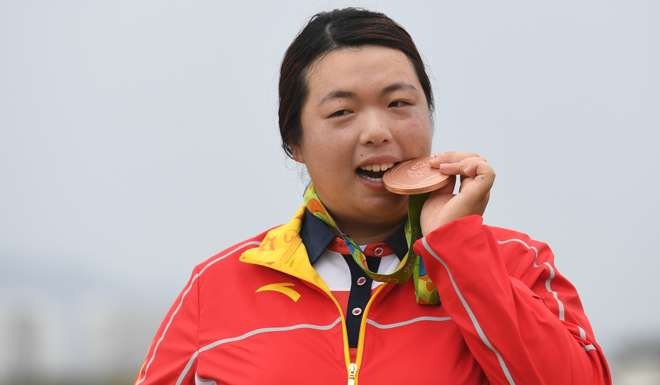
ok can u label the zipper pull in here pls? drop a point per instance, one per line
(352, 372)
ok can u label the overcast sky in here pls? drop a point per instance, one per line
(139, 137)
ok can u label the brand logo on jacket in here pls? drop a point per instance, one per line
(281, 287)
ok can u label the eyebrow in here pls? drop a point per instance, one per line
(342, 94)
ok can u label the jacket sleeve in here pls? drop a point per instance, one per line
(175, 344)
(520, 318)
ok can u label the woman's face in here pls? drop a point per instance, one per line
(365, 111)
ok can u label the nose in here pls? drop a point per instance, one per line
(375, 129)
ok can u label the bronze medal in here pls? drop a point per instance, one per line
(415, 176)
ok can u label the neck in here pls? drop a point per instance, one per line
(363, 233)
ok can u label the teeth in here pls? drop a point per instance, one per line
(377, 167)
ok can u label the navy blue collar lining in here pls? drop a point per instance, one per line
(316, 237)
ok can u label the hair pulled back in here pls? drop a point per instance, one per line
(328, 31)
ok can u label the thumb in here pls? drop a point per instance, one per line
(449, 187)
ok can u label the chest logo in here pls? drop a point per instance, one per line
(281, 287)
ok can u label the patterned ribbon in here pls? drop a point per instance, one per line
(411, 264)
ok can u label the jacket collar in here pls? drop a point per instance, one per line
(293, 247)
(282, 249)
(316, 236)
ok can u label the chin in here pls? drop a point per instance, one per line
(388, 208)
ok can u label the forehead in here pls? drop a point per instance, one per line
(361, 69)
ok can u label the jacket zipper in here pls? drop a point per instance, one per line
(353, 366)
(352, 373)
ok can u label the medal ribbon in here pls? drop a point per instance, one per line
(411, 264)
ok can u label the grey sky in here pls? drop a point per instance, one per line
(138, 138)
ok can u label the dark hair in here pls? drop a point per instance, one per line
(328, 31)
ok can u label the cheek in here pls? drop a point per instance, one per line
(416, 134)
(333, 140)
(327, 156)
(326, 162)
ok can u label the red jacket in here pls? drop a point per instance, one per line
(258, 313)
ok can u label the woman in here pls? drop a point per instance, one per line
(345, 292)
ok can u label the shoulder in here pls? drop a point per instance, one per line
(229, 256)
(473, 227)
(504, 236)
(515, 246)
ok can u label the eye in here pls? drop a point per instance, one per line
(399, 103)
(339, 113)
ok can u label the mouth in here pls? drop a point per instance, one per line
(374, 172)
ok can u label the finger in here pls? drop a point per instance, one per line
(479, 172)
(451, 157)
(485, 173)
(466, 167)
(471, 170)
(481, 182)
